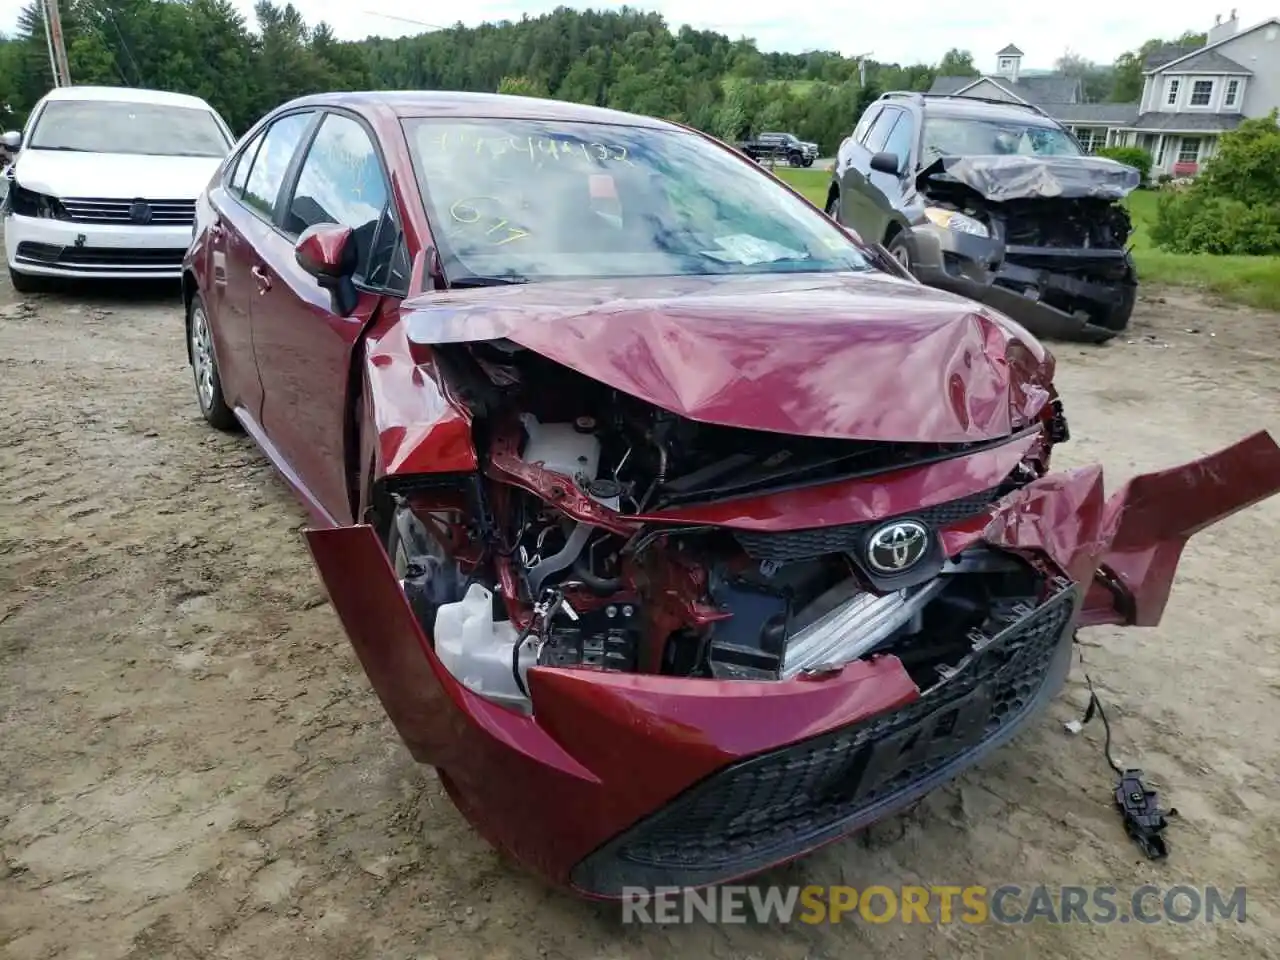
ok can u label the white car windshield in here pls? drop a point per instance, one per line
(108, 126)
(513, 200)
(975, 137)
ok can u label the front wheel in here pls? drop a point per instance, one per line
(204, 366)
(27, 282)
(794, 159)
(808, 162)
(832, 209)
(900, 250)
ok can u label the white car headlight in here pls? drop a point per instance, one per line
(951, 220)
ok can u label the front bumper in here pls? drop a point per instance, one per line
(1026, 283)
(621, 780)
(61, 248)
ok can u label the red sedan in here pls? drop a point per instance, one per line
(676, 529)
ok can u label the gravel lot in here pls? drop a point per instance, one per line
(192, 764)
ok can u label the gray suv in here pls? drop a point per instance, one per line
(997, 202)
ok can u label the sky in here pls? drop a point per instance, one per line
(1099, 30)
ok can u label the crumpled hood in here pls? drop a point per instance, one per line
(1015, 177)
(114, 176)
(843, 356)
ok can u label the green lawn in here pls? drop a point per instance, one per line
(1252, 281)
(810, 181)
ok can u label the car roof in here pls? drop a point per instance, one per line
(441, 103)
(126, 95)
(970, 108)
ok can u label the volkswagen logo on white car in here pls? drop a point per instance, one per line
(897, 546)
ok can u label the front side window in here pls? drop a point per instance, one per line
(341, 181)
(1201, 93)
(529, 200)
(900, 138)
(980, 137)
(143, 129)
(266, 177)
(1233, 93)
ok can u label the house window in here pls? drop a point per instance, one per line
(1201, 93)
(1006, 63)
(1091, 138)
(1233, 93)
(1189, 152)
(1172, 98)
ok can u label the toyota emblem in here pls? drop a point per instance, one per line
(897, 546)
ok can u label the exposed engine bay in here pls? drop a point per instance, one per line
(552, 557)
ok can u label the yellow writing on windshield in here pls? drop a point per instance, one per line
(536, 148)
(496, 229)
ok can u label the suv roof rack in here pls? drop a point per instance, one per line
(922, 97)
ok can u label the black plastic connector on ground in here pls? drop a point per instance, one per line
(1144, 821)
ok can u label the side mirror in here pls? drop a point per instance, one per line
(886, 163)
(11, 140)
(328, 253)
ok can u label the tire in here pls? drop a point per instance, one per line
(204, 368)
(901, 250)
(808, 161)
(1116, 320)
(28, 282)
(795, 159)
(832, 209)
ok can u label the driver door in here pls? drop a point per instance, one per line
(303, 348)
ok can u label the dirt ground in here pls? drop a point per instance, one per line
(193, 765)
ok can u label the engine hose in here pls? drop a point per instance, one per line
(601, 585)
(515, 654)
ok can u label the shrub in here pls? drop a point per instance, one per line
(1192, 221)
(1134, 157)
(1233, 207)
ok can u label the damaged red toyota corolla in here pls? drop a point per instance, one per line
(676, 529)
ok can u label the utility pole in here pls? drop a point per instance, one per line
(57, 47)
(48, 39)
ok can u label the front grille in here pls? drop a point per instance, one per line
(164, 213)
(793, 545)
(782, 803)
(101, 259)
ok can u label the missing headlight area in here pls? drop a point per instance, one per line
(560, 554)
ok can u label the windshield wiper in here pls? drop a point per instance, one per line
(63, 149)
(500, 281)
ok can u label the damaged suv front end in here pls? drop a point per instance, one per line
(1041, 238)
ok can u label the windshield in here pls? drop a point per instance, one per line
(528, 200)
(108, 126)
(980, 137)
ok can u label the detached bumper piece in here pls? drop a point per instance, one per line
(782, 804)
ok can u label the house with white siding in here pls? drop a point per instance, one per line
(1190, 97)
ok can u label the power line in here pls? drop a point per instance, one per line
(416, 23)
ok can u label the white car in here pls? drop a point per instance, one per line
(104, 183)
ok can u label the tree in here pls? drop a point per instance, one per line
(1127, 84)
(522, 86)
(957, 63)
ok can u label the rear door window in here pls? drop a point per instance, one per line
(880, 130)
(266, 177)
(868, 118)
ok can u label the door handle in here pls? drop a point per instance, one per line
(264, 280)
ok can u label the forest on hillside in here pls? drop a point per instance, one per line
(628, 59)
